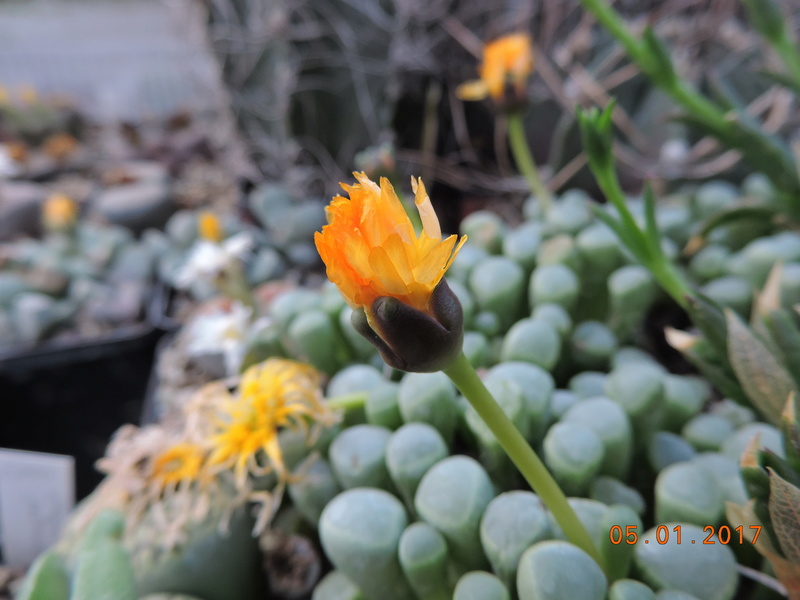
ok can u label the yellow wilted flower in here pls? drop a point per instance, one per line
(181, 463)
(370, 248)
(272, 395)
(507, 61)
(59, 212)
(375, 258)
(209, 227)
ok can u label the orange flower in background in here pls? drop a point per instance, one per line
(60, 146)
(17, 150)
(209, 227)
(59, 212)
(507, 60)
(370, 248)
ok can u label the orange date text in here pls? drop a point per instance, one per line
(715, 535)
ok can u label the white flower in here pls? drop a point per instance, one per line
(224, 332)
(208, 260)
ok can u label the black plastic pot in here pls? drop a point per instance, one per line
(69, 399)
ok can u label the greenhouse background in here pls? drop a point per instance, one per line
(399, 299)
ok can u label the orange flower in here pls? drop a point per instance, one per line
(60, 146)
(17, 150)
(507, 60)
(209, 227)
(370, 248)
(59, 212)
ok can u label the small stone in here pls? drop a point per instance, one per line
(20, 208)
(136, 205)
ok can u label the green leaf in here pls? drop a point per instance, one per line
(708, 317)
(785, 571)
(761, 375)
(659, 61)
(756, 479)
(785, 337)
(766, 17)
(47, 579)
(780, 79)
(723, 93)
(784, 510)
(652, 234)
(767, 300)
(701, 354)
(772, 462)
(747, 210)
(790, 427)
(615, 225)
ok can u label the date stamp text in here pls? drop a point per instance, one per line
(716, 535)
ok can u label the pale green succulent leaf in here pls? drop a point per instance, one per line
(763, 378)
(784, 509)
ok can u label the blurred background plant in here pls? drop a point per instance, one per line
(389, 73)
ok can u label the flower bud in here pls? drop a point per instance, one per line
(410, 339)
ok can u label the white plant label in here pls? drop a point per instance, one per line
(37, 493)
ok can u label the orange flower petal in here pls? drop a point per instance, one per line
(432, 266)
(370, 248)
(506, 59)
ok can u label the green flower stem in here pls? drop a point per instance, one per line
(790, 55)
(636, 50)
(645, 245)
(536, 474)
(669, 279)
(763, 152)
(348, 401)
(524, 159)
(609, 184)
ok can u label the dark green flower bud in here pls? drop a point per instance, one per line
(412, 340)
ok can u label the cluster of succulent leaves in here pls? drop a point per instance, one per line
(551, 307)
(105, 562)
(85, 276)
(32, 120)
(49, 284)
(413, 489)
(281, 229)
(755, 364)
(561, 294)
